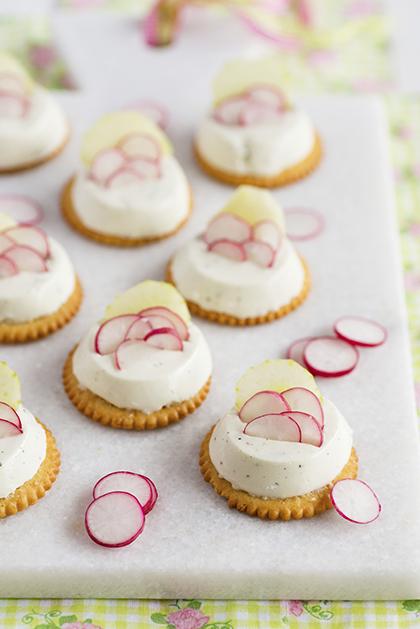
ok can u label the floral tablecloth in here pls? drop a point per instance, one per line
(360, 64)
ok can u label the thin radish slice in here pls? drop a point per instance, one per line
(176, 321)
(22, 209)
(355, 501)
(274, 426)
(228, 249)
(130, 482)
(106, 163)
(26, 259)
(138, 329)
(164, 338)
(30, 236)
(8, 268)
(255, 113)
(227, 226)
(114, 520)
(303, 224)
(263, 403)
(260, 253)
(113, 332)
(145, 168)
(125, 176)
(128, 353)
(296, 349)
(155, 494)
(268, 95)
(268, 232)
(9, 414)
(311, 431)
(140, 145)
(11, 84)
(9, 429)
(5, 243)
(360, 331)
(156, 112)
(229, 111)
(330, 357)
(304, 400)
(12, 106)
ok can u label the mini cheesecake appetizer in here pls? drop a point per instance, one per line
(33, 128)
(242, 270)
(280, 450)
(29, 459)
(129, 189)
(144, 366)
(39, 290)
(254, 134)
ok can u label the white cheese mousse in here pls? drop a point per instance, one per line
(142, 209)
(158, 378)
(29, 295)
(242, 289)
(21, 455)
(261, 149)
(34, 136)
(278, 469)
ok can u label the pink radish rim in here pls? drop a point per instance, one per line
(330, 374)
(153, 491)
(225, 241)
(130, 158)
(19, 421)
(125, 542)
(260, 243)
(103, 325)
(321, 431)
(304, 339)
(225, 215)
(316, 231)
(169, 331)
(122, 169)
(269, 391)
(185, 334)
(18, 246)
(35, 228)
(98, 154)
(364, 320)
(315, 396)
(38, 209)
(343, 515)
(18, 428)
(12, 264)
(283, 414)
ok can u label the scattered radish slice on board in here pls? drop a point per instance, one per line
(304, 400)
(114, 520)
(260, 253)
(263, 403)
(228, 112)
(296, 349)
(139, 145)
(228, 249)
(112, 332)
(145, 168)
(274, 426)
(130, 482)
(268, 232)
(22, 209)
(138, 329)
(355, 501)
(176, 321)
(8, 413)
(303, 223)
(311, 431)
(29, 236)
(267, 95)
(8, 268)
(106, 163)
(360, 331)
(330, 356)
(26, 259)
(125, 176)
(227, 226)
(164, 338)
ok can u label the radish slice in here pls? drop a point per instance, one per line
(355, 501)
(13, 106)
(26, 259)
(29, 236)
(138, 329)
(112, 332)
(155, 494)
(330, 357)
(128, 353)
(22, 209)
(11, 84)
(5, 243)
(164, 338)
(229, 111)
(260, 253)
(268, 95)
(303, 224)
(106, 163)
(8, 268)
(9, 414)
(311, 431)
(304, 400)
(360, 331)
(154, 111)
(145, 168)
(141, 146)
(296, 349)
(268, 232)
(136, 484)
(125, 176)
(228, 249)
(9, 429)
(227, 226)
(157, 321)
(114, 520)
(263, 403)
(274, 426)
(255, 113)
(176, 321)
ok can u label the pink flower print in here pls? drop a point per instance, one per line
(295, 608)
(412, 281)
(42, 56)
(187, 618)
(79, 625)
